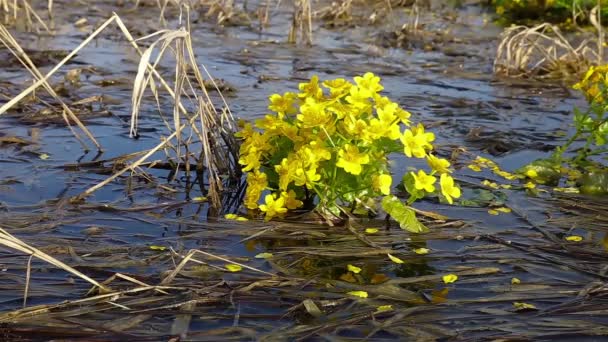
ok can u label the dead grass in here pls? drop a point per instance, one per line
(301, 23)
(543, 51)
(17, 11)
(199, 134)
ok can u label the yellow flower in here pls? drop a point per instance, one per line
(270, 123)
(315, 152)
(282, 104)
(273, 207)
(379, 129)
(291, 201)
(424, 181)
(306, 177)
(357, 128)
(313, 114)
(448, 189)
(256, 183)
(358, 99)
(250, 161)
(350, 159)
(438, 164)
(311, 89)
(246, 130)
(337, 87)
(382, 183)
(416, 141)
(369, 84)
(285, 171)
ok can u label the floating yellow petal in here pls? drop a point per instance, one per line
(235, 217)
(421, 251)
(360, 294)
(158, 248)
(395, 259)
(449, 278)
(574, 238)
(474, 167)
(515, 281)
(44, 156)
(383, 308)
(354, 269)
(524, 306)
(233, 267)
(371, 230)
(264, 256)
(199, 199)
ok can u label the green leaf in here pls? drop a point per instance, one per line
(403, 214)
(408, 183)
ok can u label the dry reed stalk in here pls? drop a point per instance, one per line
(8, 240)
(336, 10)
(13, 46)
(301, 23)
(214, 130)
(14, 9)
(541, 50)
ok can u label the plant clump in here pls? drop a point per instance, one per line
(328, 146)
(558, 11)
(584, 167)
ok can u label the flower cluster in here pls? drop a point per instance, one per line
(594, 83)
(332, 140)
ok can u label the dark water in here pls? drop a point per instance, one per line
(451, 88)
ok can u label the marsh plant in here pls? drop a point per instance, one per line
(567, 11)
(328, 145)
(584, 166)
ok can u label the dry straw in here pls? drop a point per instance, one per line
(543, 51)
(206, 134)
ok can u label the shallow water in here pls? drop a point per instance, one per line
(450, 88)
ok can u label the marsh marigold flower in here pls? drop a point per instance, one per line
(425, 182)
(416, 141)
(448, 189)
(383, 183)
(291, 200)
(438, 164)
(273, 207)
(350, 159)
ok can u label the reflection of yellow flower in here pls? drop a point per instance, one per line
(422, 181)
(448, 189)
(350, 159)
(273, 207)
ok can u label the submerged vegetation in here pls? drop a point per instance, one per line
(190, 226)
